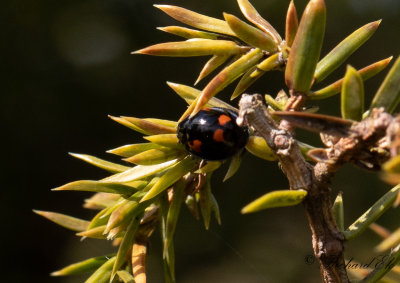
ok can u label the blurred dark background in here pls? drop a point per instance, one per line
(66, 65)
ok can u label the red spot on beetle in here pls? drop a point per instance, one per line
(195, 145)
(218, 135)
(223, 119)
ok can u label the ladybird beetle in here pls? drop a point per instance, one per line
(212, 134)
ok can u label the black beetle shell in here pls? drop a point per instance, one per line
(212, 134)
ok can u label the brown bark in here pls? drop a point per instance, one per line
(367, 144)
(326, 238)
